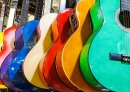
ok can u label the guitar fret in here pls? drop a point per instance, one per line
(125, 5)
(24, 12)
(125, 8)
(2, 16)
(38, 10)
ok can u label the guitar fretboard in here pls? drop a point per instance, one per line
(48, 6)
(2, 17)
(38, 11)
(77, 1)
(12, 13)
(62, 5)
(24, 12)
(125, 5)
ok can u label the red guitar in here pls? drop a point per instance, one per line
(60, 31)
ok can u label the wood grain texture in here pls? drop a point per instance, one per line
(35, 55)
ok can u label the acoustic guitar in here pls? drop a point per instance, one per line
(67, 60)
(8, 43)
(106, 58)
(36, 53)
(8, 46)
(1, 32)
(14, 70)
(60, 31)
(12, 11)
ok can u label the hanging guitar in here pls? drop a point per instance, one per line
(20, 52)
(60, 31)
(8, 46)
(34, 56)
(106, 61)
(67, 60)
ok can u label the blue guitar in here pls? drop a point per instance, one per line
(19, 53)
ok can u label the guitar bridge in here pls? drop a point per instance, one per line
(119, 57)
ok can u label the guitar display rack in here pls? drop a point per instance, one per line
(70, 4)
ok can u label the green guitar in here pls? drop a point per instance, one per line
(105, 58)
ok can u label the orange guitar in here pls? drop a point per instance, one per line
(67, 60)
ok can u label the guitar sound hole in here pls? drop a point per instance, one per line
(14, 44)
(1, 48)
(124, 18)
(35, 40)
(52, 36)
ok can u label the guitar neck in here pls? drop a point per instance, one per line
(48, 6)
(12, 13)
(125, 5)
(2, 17)
(77, 1)
(38, 11)
(62, 5)
(24, 13)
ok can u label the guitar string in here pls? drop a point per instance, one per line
(129, 20)
(128, 27)
(124, 25)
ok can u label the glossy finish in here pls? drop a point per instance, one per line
(1, 35)
(9, 58)
(72, 48)
(15, 72)
(113, 75)
(35, 55)
(1, 45)
(8, 46)
(60, 29)
(97, 22)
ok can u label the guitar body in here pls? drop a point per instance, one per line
(8, 46)
(60, 31)
(67, 60)
(35, 55)
(3, 5)
(15, 72)
(9, 58)
(101, 72)
(1, 45)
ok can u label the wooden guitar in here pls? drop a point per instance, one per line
(105, 56)
(17, 56)
(60, 31)
(34, 56)
(12, 13)
(67, 60)
(8, 43)
(8, 46)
